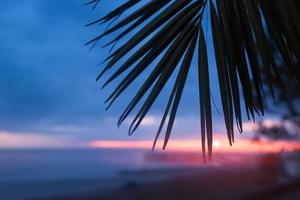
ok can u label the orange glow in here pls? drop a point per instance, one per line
(220, 145)
(119, 144)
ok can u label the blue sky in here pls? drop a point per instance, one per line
(47, 76)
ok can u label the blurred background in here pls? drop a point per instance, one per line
(57, 142)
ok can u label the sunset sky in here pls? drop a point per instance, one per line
(48, 93)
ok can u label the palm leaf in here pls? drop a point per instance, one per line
(245, 34)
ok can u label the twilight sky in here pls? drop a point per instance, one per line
(47, 78)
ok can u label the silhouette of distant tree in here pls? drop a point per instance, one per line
(287, 107)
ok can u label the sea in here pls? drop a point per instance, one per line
(25, 174)
(41, 165)
(41, 173)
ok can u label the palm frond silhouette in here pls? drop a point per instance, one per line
(244, 35)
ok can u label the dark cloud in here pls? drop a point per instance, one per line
(45, 73)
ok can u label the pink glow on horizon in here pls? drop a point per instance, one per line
(220, 145)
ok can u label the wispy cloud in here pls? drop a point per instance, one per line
(9, 140)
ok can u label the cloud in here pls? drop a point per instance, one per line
(44, 74)
(35, 140)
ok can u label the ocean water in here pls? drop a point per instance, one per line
(52, 165)
(27, 174)
(49, 165)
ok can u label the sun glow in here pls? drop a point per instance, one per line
(216, 144)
